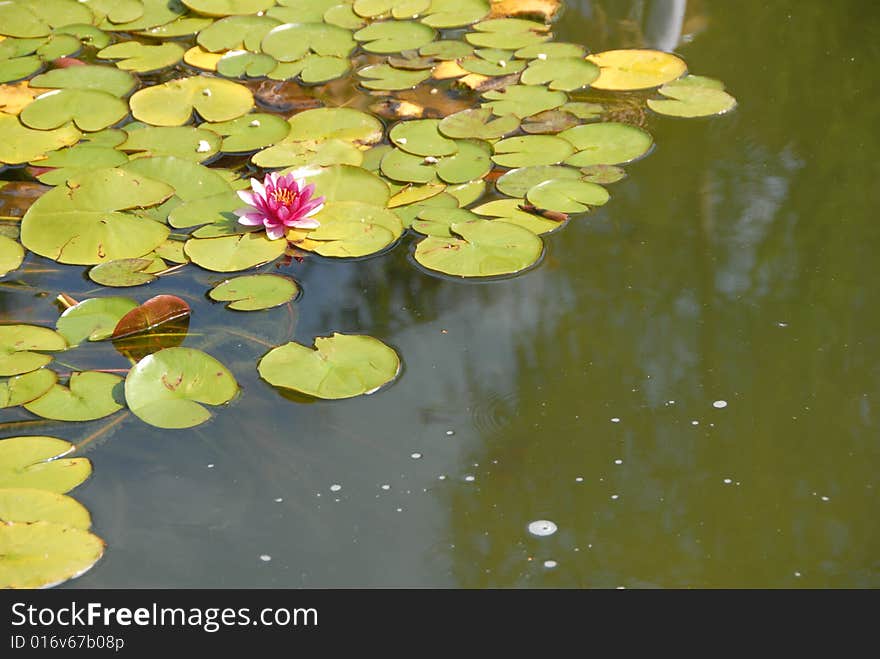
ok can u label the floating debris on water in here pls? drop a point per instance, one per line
(542, 527)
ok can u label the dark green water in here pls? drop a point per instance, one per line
(737, 263)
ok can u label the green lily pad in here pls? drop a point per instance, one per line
(21, 347)
(134, 56)
(413, 194)
(693, 96)
(115, 11)
(531, 150)
(255, 292)
(59, 45)
(18, 68)
(180, 27)
(96, 220)
(76, 161)
(156, 13)
(343, 15)
(93, 319)
(22, 389)
(234, 253)
(36, 18)
(335, 123)
(228, 7)
(172, 251)
(622, 70)
(446, 49)
(319, 154)
(123, 272)
(422, 137)
(106, 79)
(236, 32)
(472, 161)
(550, 122)
(373, 157)
(89, 395)
(250, 132)
(352, 229)
(467, 193)
(31, 505)
(438, 221)
(339, 366)
(241, 63)
(302, 11)
(499, 65)
(37, 462)
(293, 41)
(312, 69)
(565, 73)
(172, 103)
(402, 166)
(523, 100)
(185, 142)
(551, 50)
(169, 388)
(190, 180)
(397, 8)
(508, 33)
(20, 144)
(89, 109)
(455, 13)
(517, 182)
(42, 554)
(11, 255)
(478, 123)
(389, 78)
(608, 143)
(483, 248)
(409, 214)
(603, 174)
(346, 183)
(394, 36)
(508, 210)
(89, 34)
(567, 195)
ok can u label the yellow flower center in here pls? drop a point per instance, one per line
(283, 195)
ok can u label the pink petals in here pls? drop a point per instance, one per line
(279, 203)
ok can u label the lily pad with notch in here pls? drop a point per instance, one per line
(172, 103)
(89, 395)
(21, 389)
(19, 504)
(351, 229)
(255, 292)
(38, 462)
(609, 143)
(22, 348)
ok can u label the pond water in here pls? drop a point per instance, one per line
(687, 387)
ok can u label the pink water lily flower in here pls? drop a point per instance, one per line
(279, 203)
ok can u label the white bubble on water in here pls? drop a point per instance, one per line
(279, 500)
(550, 564)
(335, 487)
(615, 419)
(542, 527)
(265, 558)
(385, 486)
(450, 433)
(719, 404)
(728, 481)
(618, 461)
(469, 478)
(615, 497)
(579, 479)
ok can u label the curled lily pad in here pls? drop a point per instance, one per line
(42, 554)
(293, 41)
(565, 73)
(89, 224)
(478, 123)
(93, 319)
(608, 143)
(523, 100)
(106, 79)
(228, 7)
(156, 311)
(20, 144)
(517, 182)
(134, 56)
(38, 462)
(339, 366)
(422, 137)
(89, 109)
(352, 229)
(387, 77)
(89, 395)
(693, 96)
(31, 505)
(483, 248)
(567, 195)
(22, 389)
(172, 103)
(169, 388)
(531, 150)
(123, 272)
(250, 132)
(621, 70)
(21, 347)
(234, 253)
(187, 142)
(11, 255)
(511, 211)
(394, 36)
(255, 292)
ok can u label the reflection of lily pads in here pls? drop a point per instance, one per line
(42, 554)
(483, 248)
(172, 103)
(255, 292)
(608, 143)
(32, 505)
(352, 229)
(21, 347)
(93, 319)
(24, 388)
(36, 462)
(340, 366)
(635, 69)
(11, 255)
(89, 395)
(168, 388)
(88, 224)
